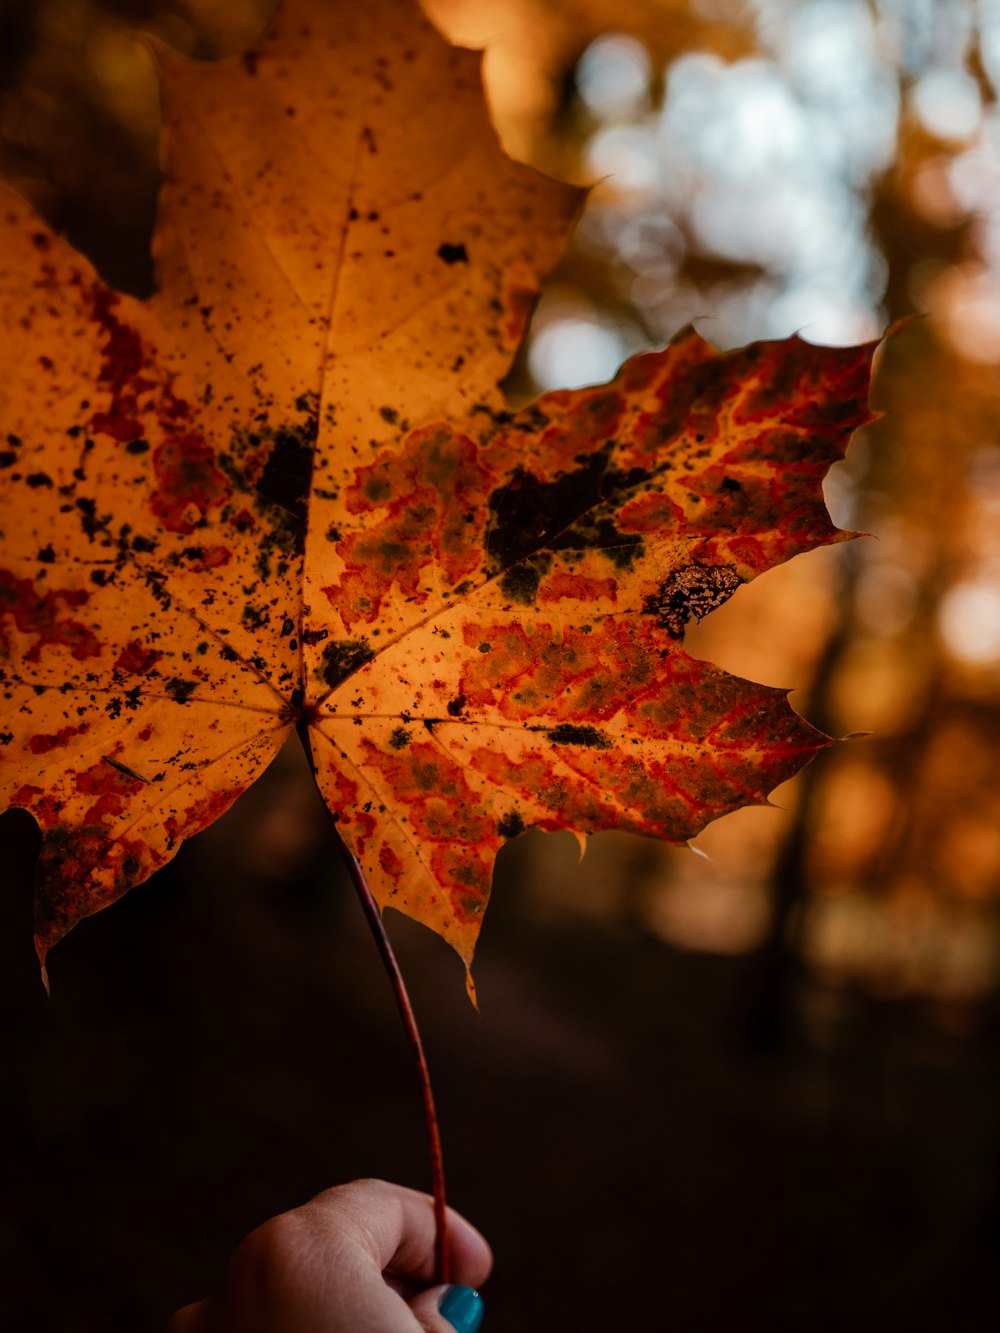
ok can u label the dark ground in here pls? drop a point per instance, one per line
(220, 1046)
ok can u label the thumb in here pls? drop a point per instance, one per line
(448, 1310)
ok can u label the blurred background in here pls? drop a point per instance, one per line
(760, 1084)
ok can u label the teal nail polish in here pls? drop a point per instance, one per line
(463, 1309)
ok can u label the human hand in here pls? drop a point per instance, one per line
(356, 1259)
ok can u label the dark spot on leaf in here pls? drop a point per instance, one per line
(46, 555)
(527, 510)
(510, 825)
(88, 512)
(616, 482)
(486, 647)
(143, 544)
(529, 514)
(690, 593)
(37, 479)
(99, 576)
(180, 690)
(341, 658)
(7, 458)
(600, 534)
(287, 625)
(520, 582)
(453, 254)
(389, 414)
(456, 705)
(731, 484)
(288, 472)
(567, 734)
(400, 738)
(137, 447)
(314, 636)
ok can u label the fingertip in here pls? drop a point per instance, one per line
(462, 1307)
(449, 1309)
(471, 1256)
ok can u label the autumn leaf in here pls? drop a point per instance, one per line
(287, 492)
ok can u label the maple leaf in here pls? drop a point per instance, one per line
(287, 492)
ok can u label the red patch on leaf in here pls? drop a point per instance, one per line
(121, 371)
(27, 797)
(467, 870)
(441, 804)
(243, 521)
(113, 790)
(561, 585)
(43, 615)
(392, 866)
(188, 484)
(137, 659)
(534, 668)
(42, 744)
(430, 498)
(444, 810)
(653, 512)
(354, 819)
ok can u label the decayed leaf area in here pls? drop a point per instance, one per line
(287, 492)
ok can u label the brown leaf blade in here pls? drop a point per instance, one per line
(287, 490)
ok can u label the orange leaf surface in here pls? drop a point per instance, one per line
(286, 491)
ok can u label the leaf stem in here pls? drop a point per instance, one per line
(373, 918)
(442, 1258)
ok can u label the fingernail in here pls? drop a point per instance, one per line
(463, 1309)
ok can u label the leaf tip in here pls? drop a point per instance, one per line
(42, 953)
(470, 987)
